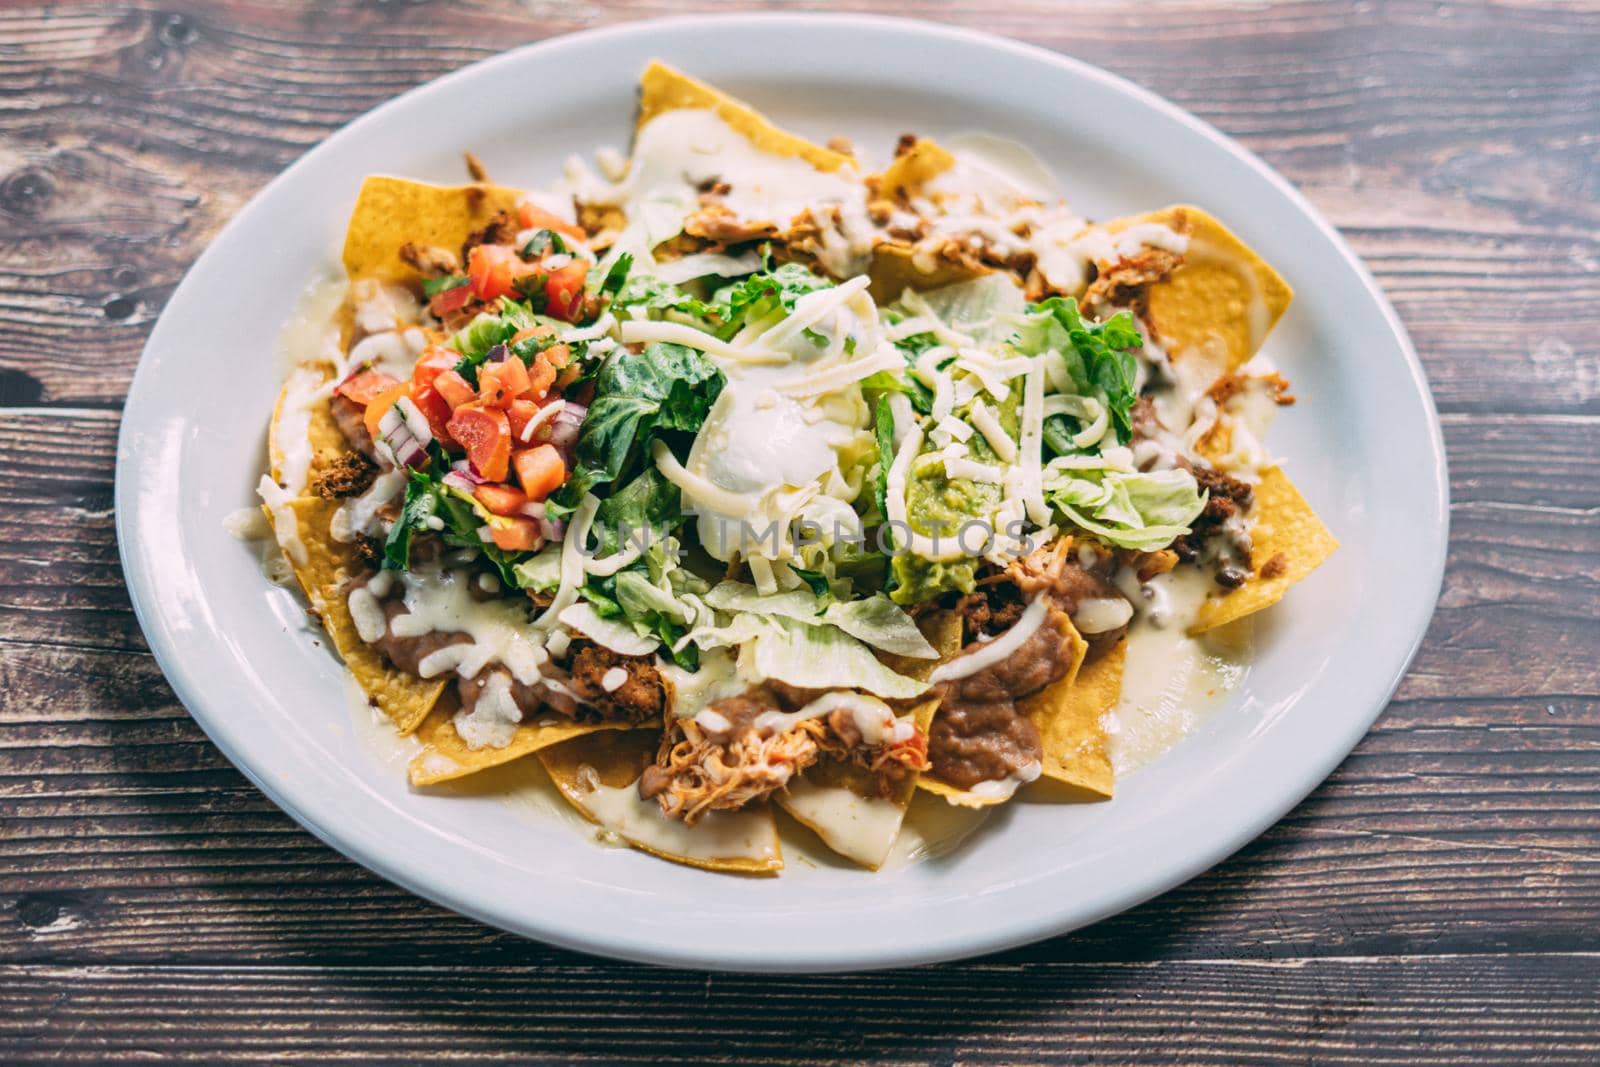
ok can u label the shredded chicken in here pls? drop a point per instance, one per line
(698, 771)
(431, 261)
(1126, 283)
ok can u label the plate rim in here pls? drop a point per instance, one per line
(996, 937)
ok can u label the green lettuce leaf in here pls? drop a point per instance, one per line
(824, 657)
(1140, 510)
(636, 396)
(1097, 354)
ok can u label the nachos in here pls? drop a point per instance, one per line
(736, 474)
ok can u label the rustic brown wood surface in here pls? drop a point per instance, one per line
(1436, 901)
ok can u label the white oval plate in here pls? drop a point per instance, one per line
(1364, 446)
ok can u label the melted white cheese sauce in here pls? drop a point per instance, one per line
(862, 828)
(1172, 682)
(679, 154)
(720, 835)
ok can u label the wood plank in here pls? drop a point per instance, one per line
(1466, 184)
(1469, 817)
(1454, 827)
(1446, 1010)
(1436, 901)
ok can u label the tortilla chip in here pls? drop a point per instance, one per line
(913, 168)
(404, 698)
(1050, 708)
(943, 631)
(894, 270)
(1223, 300)
(839, 823)
(393, 211)
(327, 443)
(744, 842)
(839, 802)
(1288, 542)
(445, 756)
(1070, 716)
(663, 89)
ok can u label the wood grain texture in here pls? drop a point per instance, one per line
(1436, 901)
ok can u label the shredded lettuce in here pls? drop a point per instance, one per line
(874, 620)
(655, 596)
(768, 291)
(824, 657)
(1140, 510)
(1096, 354)
(460, 516)
(477, 338)
(637, 396)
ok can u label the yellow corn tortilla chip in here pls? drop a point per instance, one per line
(393, 211)
(911, 169)
(404, 698)
(1048, 709)
(1288, 542)
(1222, 301)
(744, 842)
(663, 89)
(445, 756)
(1070, 716)
(327, 443)
(893, 270)
(863, 825)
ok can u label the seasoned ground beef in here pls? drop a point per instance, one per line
(1228, 500)
(642, 696)
(501, 229)
(346, 476)
(990, 610)
(431, 261)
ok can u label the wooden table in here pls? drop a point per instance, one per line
(1437, 901)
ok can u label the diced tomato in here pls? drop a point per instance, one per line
(455, 389)
(501, 383)
(362, 386)
(563, 291)
(450, 301)
(521, 412)
(436, 359)
(558, 355)
(540, 470)
(500, 499)
(435, 409)
(493, 268)
(522, 535)
(533, 217)
(379, 406)
(486, 435)
(540, 377)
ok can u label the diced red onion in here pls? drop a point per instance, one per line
(468, 475)
(533, 509)
(456, 480)
(564, 426)
(552, 529)
(406, 437)
(498, 354)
